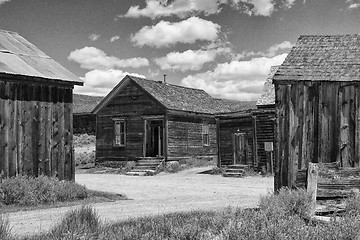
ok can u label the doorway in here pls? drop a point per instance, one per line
(154, 138)
(240, 145)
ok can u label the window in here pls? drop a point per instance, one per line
(205, 134)
(120, 132)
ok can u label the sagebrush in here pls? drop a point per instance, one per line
(29, 191)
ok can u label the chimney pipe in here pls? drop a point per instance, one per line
(164, 78)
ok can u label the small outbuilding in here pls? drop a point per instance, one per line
(36, 111)
(246, 137)
(318, 105)
(84, 121)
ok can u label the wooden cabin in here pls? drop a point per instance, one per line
(246, 136)
(84, 121)
(318, 105)
(35, 111)
(144, 118)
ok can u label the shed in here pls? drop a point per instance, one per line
(143, 118)
(84, 121)
(246, 136)
(35, 111)
(317, 105)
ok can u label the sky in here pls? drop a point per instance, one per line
(225, 47)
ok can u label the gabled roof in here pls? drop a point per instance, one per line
(20, 57)
(267, 96)
(229, 106)
(85, 103)
(175, 97)
(322, 58)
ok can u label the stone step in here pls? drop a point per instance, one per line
(234, 170)
(146, 167)
(238, 166)
(147, 163)
(237, 175)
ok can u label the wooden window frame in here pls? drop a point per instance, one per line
(205, 134)
(119, 139)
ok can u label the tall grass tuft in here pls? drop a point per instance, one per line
(5, 229)
(82, 223)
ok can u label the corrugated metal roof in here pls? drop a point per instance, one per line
(20, 57)
(267, 96)
(322, 58)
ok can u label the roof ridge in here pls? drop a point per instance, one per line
(26, 55)
(11, 32)
(161, 82)
(329, 35)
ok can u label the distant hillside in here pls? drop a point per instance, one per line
(85, 103)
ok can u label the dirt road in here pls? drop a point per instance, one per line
(159, 194)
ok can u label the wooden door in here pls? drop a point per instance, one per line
(240, 143)
(154, 138)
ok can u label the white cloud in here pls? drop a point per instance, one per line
(188, 60)
(101, 82)
(353, 4)
(289, 3)
(181, 8)
(94, 37)
(114, 38)
(165, 33)
(272, 51)
(93, 58)
(242, 80)
(4, 1)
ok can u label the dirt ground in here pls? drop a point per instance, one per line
(163, 193)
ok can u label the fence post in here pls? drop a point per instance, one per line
(311, 186)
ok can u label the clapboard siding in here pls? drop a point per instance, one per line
(131, 103)
(36, 129)
(185, 137)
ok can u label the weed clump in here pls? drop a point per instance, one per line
(30, 191)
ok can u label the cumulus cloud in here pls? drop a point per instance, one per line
(4, 1)
(188, 60)
(114, 38)
(101, 82)
(242, 80)
(94, 37)
(165, 33)
(93, 58)
(181, 8)
(353, 4)
(272, 51)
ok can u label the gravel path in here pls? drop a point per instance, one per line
(158, 194)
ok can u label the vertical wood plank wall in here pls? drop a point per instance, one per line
(36, 130)
(316, 122)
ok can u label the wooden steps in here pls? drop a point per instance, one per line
(237, 170)
(146, 166)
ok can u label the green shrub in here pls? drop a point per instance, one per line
(83, 158)
(30, 191)
(84, 139)
(287, 203)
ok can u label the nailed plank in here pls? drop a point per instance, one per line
(311, 186)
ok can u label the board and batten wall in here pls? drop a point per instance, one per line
(316, 122)
(36, 129)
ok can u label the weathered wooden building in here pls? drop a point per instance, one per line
(35, 111)
(246, 137)
(144, 118)
(84, 121)
(318, 106)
